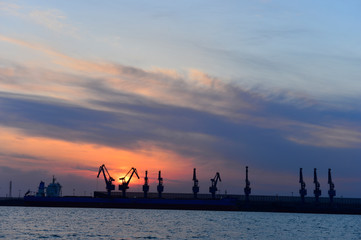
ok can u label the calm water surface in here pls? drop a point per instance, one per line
(85, 223)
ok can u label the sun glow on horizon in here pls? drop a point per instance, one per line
(84, 158)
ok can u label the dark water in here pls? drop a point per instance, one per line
(78, 223)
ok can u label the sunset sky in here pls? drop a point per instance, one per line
(177, 85)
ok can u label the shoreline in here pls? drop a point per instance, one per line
(226, 203)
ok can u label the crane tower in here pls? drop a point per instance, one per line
(195, 185)
(146, 186)
(108, 179)
(247, 189)
(332, 191)
(317, 191)
(160, 186)
(303, 191)
(213, 188)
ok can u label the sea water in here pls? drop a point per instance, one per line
(92, 223)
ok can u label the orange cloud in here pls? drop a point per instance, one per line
(64, 60)
(206, 81)
(195, 90)
(34, 153)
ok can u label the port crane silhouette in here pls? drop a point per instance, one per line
(247, 189)
(125, 183)
(303, 190)
(108, 179)
(160, 186)
(317, 190)
(213, 188)
(195, 187)
(146, 185)
(332, 191)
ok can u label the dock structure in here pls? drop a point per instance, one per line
(229, 202)
(196, 200)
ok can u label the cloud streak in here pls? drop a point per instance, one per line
(52, 19)
(123, 89)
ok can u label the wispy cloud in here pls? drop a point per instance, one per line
(52, 19)
(331, 136)
(10, 8)
(195, 90)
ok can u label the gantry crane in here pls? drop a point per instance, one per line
(303, 191)
(195, 186)
(247, 189)
(124, 182)
(160, 186)
(332, 191)
(213, 188)
(146, 186)
(317, 190)
(108, 179)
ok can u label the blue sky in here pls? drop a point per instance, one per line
(175, 85)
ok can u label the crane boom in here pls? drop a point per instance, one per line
(213, 188)
(108, 179)
(124, 182)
